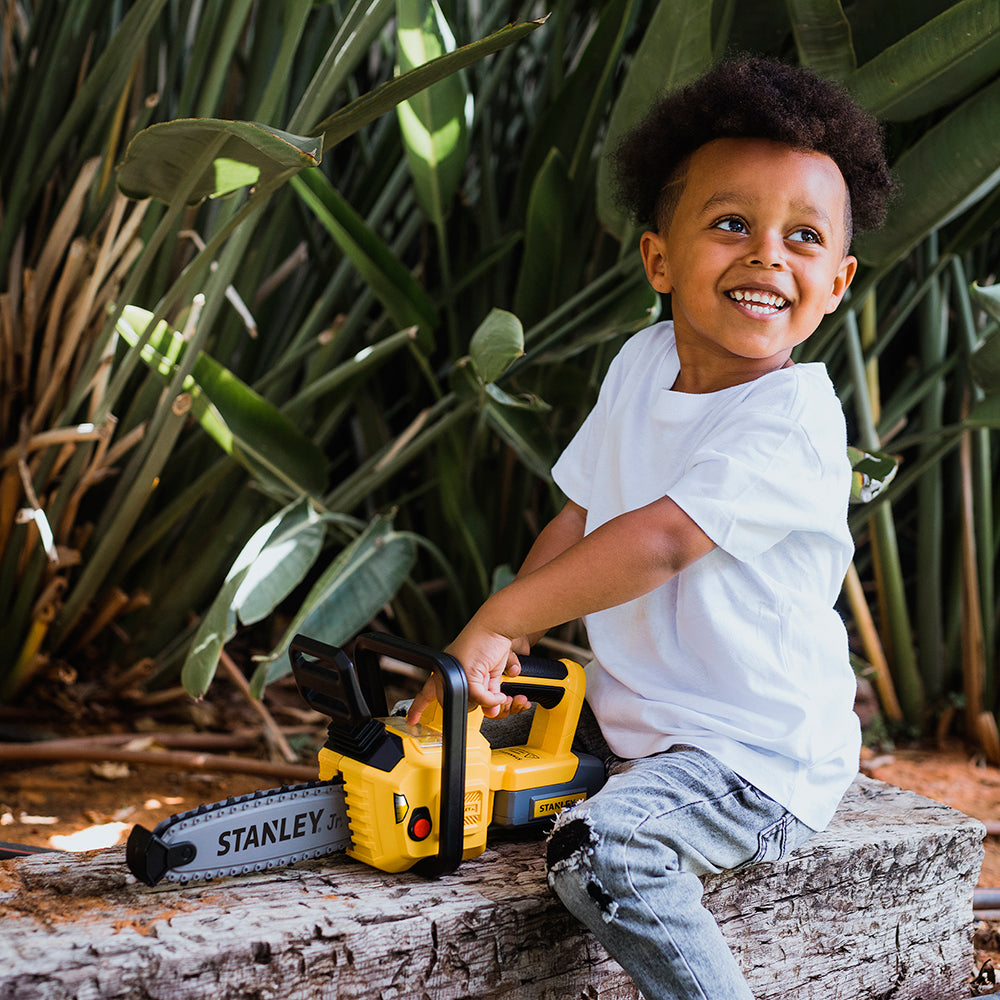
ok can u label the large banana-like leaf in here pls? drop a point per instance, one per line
(159, 158)
(366, 109)
(934, 65)
(394, 286)
(286, 546)
(359, 582)
(949, 169)
(435, 122)
(676, 47)
(242, 423)
(823, 37)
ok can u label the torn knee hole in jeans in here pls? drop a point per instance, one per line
(570, 848)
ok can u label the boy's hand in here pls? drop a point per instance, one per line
(485, 656)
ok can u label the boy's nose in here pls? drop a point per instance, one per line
(766, 251)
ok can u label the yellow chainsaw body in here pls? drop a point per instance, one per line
(393, 814)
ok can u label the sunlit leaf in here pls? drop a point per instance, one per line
(218, 624)
(351, 591)
(280, 566)
(367, 108)
(434, 122)
(241, 422)
(159, 158)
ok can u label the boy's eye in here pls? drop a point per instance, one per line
(731, 224)
(806, 236)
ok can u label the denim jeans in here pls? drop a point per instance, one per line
(627, 861)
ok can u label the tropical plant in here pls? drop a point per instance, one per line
(484, 206)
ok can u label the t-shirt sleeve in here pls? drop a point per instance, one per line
(763, 475)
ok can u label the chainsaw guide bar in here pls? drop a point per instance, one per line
(248, 833)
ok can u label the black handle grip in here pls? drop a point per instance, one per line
(454, 715)
(538, 668)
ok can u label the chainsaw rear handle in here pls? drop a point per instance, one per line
(455, 708)
(557, 687)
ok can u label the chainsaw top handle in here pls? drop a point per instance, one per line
(455, 707)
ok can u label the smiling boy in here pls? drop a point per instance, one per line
(704, 538)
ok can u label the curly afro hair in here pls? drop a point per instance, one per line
(754, 98)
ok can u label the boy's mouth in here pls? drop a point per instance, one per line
(758, 301)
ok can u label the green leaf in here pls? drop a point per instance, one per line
(949, 168)
(823, 37)
(394, 286)
(633, 306)
(218, 624)
(548, 231)
(572, 119)
(497, 343)
(352, 590)
(370, 106)
(986, 297)
(159, 158)
(871, 473)
(934, 65)
(242, 423)
(985, 359)
(985, 413)
(434, 122)
(523, 432)
(280, 566)
(522, 402)
(676, 48)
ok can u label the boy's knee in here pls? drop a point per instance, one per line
(573, 860)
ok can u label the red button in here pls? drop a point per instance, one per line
(421, 828)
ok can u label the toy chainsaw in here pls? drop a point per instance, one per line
(390, 794)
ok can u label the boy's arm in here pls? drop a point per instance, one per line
(621, 560)
(562, 532)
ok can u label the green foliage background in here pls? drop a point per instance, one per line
(335, 393)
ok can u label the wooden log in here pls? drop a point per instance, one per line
(877, 907)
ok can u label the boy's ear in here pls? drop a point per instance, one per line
(842, 281)
(653, 248)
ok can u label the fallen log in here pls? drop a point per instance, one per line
(879, 906)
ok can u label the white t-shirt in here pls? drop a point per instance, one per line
(742, 654)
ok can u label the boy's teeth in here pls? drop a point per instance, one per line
(758, 301)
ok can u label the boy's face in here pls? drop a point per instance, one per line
(753, 259)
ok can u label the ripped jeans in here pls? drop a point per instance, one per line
(627, 862)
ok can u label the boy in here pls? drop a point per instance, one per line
(704, 537)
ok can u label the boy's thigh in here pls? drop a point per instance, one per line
(692, 809)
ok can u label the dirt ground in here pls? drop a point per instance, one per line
(81, 805)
